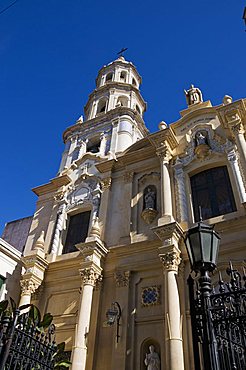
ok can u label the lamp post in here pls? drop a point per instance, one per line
(202, 244)
(112, 314)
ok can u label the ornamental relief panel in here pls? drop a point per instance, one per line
(202, 143)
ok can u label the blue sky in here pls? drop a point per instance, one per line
(51, 51)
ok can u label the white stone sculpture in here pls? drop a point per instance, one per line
(152, 360)
(193, 95)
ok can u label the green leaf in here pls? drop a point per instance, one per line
(47, 320)
(60, 347)
(3, 305)
(34, 315)
(64, 363)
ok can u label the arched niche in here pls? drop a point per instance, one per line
(145, 349)
(102, 106)
(123, 76)
(109, 77)
(122, 101)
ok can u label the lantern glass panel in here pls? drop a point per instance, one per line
(189, 250)
(206, 245)
(195, 246)
(216, 241)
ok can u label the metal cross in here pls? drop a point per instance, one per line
(120, 53)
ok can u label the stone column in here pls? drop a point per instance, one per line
(58, 228)
(171, 260)
(35, 265)
(64, 156)
(105, 183)
(166, 193)
(71, 149)
(169, 255)
(92, 254)
(103, 145)
(89, 277)
(181, 192)
(126, 226)
(113, 144)
(82, 149)
(237, 175)
(239, 132)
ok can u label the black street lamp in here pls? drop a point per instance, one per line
(114, 314)
(202, 244)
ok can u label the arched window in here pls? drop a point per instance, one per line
(134, 82)
(138, 109)
(77, 230)
(122, 76)
(102, 104)
(109, 77)
(212, 191)
(122, 101)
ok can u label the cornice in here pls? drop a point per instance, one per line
(106, 166)
(105, 119)
(159, 137)
(194, 113)
(134, 157)
(53, 185)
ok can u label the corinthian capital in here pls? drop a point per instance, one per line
(171, 259)
(28, 287)
(238, 129)
(163, 153)
(89, 276)
(106, 183)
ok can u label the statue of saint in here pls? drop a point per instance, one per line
(193, 95)
(200, 138)
(149, 199)
(152, 359)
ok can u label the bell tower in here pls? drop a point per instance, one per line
(113, 115)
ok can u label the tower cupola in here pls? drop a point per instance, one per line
(113, 115)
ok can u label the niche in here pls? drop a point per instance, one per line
(150, 354)
(149, 211)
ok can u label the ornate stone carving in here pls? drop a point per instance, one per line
(148, 215)
(163, 153)
(89, 276)
(171, 260)
(150, 296)
(128, 176)
(28, 286)
(106, 183)
(122, 278)
(99, 283)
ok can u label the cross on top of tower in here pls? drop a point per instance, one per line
(121, 52)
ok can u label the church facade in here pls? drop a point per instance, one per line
(105, 252)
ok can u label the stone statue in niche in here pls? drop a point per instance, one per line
(193, 95)
(152, 359)
(201, 138)
(149, 212)
(149, 198)
(202, 148)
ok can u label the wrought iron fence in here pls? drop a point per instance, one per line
(227, 311)
(23, 346)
